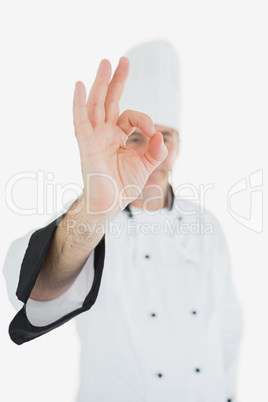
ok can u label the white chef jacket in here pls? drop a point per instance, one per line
(166, 324)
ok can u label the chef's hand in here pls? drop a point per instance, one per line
(113, 175)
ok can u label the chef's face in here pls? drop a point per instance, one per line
(139, 143)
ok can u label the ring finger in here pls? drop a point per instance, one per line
(98, 92)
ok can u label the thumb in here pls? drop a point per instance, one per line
(155, 153)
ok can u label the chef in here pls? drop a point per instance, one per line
(154, 303)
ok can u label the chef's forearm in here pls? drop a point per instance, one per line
(73, 241)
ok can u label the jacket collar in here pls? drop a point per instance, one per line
(185, 243)
(170, 201)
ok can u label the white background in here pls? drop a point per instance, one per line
(222, 46)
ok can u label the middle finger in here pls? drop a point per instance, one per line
(115, 90)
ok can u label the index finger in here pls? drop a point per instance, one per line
(130, 119)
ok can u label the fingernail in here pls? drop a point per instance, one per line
(153, 129)
(163, 145)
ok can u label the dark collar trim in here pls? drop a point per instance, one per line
(170, 201)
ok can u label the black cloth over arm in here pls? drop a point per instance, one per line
(20, 329)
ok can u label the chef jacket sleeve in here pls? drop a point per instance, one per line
(41, 313)
(22, 267)
(230, 313)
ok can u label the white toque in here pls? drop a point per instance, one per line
(152, 86)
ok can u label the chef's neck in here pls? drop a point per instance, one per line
(153, 196)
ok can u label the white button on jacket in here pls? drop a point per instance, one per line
(165, 325)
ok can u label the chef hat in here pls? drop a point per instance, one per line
(152, 84)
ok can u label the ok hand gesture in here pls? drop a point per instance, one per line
(113, 174)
